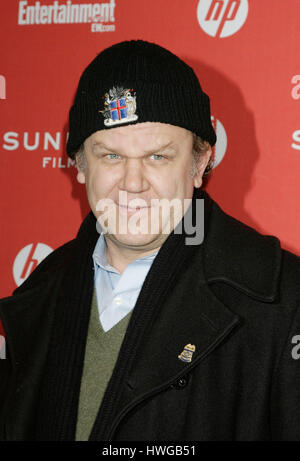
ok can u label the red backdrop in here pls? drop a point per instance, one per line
(246, 55)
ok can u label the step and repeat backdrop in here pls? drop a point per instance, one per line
(246, 55)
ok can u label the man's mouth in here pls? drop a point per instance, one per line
(127, 209)
(131, 208)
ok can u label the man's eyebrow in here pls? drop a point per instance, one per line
(163, 146)
(169, 144)
(99, 144)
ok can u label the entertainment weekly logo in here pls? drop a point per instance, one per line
(98, 14)
(27, 260)
(47, 142)
(222, 18)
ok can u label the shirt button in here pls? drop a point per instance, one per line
(118, 300)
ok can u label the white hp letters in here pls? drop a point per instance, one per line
(221, 18)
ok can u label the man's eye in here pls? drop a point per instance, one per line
(112, 155)
(158, 155)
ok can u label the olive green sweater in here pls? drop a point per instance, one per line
(101, 353)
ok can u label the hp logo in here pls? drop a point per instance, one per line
(222, 18)
(27, 259)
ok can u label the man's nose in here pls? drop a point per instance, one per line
(133, 179)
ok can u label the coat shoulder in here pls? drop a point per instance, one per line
(289, 277)
(253, 262)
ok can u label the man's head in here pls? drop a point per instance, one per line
(146, 161)
(140, 124)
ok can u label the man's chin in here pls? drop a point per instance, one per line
(138, 241)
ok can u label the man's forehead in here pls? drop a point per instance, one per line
(153, 132)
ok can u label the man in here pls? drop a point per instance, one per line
(152, 335)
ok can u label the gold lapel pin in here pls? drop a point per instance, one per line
(187, 353)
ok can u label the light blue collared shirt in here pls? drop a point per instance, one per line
(117, 293)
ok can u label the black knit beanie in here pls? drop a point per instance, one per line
(134, 82)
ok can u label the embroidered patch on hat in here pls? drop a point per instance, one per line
(187, 353)
(119, 106)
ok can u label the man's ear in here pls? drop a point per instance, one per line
(81, 177)
(80, 174)
(201, 165)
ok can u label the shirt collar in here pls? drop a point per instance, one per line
(99, 255)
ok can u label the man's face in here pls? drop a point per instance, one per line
(145, 161)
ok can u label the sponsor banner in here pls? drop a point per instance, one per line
(250, 72)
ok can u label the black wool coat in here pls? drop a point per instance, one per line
(235, 298)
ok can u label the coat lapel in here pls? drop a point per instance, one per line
(191, 315)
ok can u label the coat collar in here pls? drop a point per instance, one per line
(234, 253)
